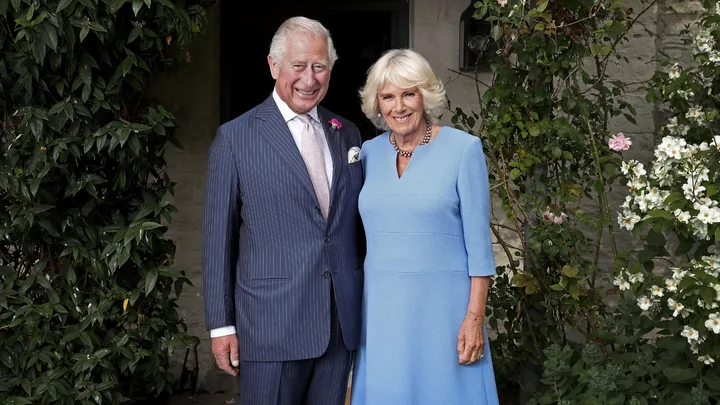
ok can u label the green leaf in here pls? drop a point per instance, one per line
(678, 374)
(136, 6)
(684, 247)
(49, 36)
(86, 75)
(63, 4)
(542, 6)
(17, 401)
(83, 33)
(496, 32)
(85, 96)
(96, 27)
(570, 271)
(150, 225)
(655, 238)
(708, 294)
(150, 280)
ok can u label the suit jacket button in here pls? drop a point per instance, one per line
(317, 209)
(326, 274)
(327, 240)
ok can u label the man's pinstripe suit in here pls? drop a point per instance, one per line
(270, 258)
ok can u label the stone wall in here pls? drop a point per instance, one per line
(193, 96)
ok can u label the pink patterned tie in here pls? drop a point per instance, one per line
(314, 157)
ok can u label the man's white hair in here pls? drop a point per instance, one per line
(298, 25)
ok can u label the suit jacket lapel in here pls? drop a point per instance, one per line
(276, 132)
(334, 141)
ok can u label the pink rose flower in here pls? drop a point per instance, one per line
(619, 142)
(335, 123)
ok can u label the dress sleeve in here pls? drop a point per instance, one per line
(474, 192)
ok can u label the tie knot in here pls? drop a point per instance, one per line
(305, 118)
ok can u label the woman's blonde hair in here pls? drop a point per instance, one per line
(405, 69)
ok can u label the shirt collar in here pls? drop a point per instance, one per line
(289, 114)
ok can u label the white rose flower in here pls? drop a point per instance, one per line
(690, 333)
(713, 323)
(656, 291)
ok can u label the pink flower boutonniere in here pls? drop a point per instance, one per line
(335, 123)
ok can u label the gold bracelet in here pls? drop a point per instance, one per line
(473, 316)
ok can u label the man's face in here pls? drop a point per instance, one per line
(303, 76)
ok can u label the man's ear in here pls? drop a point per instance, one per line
(273, 67)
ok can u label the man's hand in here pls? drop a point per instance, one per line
(226, 352)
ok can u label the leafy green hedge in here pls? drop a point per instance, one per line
(87, 291)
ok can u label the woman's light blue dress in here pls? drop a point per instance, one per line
(427, 233)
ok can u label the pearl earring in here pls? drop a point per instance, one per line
(379, 115)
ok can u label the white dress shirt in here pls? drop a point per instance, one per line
(296, 127)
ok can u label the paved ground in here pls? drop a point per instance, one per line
(208, 399)
(205, 399)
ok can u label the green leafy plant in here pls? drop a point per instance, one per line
(87, 288)
(544, 122)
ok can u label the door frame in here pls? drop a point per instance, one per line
(399, 37)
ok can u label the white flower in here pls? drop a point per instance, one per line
(678, 308)
(636, 278)
(644, 303)
(674, 71)
(706, 359)
(716, 141)
(716, 287)
(713, 323)
(628, 219)
(682, 216)
(671, 285)
(690, 333)
(678, 273)
(709, 215)
(621, 283)
(656, 291)
(712, 261)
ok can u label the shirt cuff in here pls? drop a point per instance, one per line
(224, 331)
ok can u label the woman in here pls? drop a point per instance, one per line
(425, 207)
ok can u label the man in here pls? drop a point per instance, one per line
(281, 234)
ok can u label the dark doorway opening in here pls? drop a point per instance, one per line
(361, 29)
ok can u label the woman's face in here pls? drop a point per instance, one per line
(402, 109)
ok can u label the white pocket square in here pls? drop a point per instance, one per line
(354, 154)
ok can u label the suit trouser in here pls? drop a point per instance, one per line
(319, 381)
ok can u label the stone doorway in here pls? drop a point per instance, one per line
(362, 30)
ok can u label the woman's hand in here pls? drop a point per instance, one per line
(471, 340)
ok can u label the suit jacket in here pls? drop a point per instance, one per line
(269, 256)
